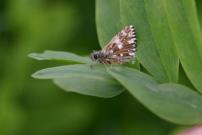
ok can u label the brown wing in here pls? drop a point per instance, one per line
(122, 46)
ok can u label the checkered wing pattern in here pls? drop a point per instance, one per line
(122, 47)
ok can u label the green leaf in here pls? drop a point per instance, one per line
(156, 50)
(107, 20)
(90, 85)
(186, 34)
(82, 79)
(172, 102)
(58, 55)
(68, 70)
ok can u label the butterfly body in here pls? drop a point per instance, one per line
(119, 50)
(101, 57)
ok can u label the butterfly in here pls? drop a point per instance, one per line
(121, 49)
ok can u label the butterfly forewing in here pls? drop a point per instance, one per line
(119, 50)
(122, 47)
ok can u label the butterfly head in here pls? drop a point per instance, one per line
(94, 55)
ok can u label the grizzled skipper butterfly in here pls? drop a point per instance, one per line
(119, 50)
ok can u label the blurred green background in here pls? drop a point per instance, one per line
(35, 107)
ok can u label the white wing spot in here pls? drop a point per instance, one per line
(133, 49)
(131, 53)
(131, 34)
(121, 54)
(120, 46)
(118, 42)
(114, 56)
(124, 33)
(131, 41)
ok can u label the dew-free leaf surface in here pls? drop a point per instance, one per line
(59, 55)
(172, 102)
(82, 79)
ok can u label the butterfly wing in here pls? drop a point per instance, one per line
(122, 47)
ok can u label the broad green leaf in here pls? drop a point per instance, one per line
(172, 102)
(82, 79)
(68, 70)
(186, 34)
(156, 51)
(90, 85)
(107, 20)
(59, 55)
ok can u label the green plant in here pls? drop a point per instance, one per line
(168, 34)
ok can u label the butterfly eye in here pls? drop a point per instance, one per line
(95, 56)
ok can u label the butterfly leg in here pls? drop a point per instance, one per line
(91, 66)
(94, 63)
